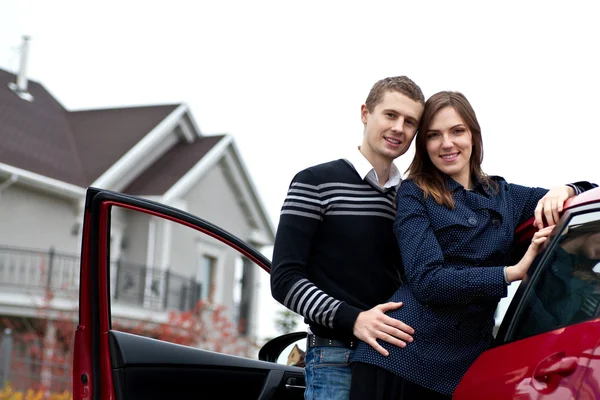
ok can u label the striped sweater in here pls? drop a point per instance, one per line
(335, 254)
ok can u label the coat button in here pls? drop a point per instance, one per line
(472, 221)
(496, 223)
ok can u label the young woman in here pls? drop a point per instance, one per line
(454, 227)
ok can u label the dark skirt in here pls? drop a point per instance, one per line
(370, 382)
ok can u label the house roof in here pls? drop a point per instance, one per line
(35, 135)
(78, 149)
(75, 147)
(101, 137)
(168, 169)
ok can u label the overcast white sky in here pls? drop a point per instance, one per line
(287, 79)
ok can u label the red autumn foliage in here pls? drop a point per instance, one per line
(42, 361)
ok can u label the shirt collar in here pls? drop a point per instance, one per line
(367, 172)
(453, 185)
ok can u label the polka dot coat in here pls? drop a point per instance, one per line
(453, 261)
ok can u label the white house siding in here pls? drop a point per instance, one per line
(31, 224)
(215, 200)
(33, 219)
(135, 237)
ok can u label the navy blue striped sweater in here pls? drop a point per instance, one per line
(335, 253)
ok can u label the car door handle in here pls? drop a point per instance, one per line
(557, 366)
(294, 384)
(294, 387)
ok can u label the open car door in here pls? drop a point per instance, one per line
(114, 364)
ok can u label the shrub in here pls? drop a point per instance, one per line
(7, 393)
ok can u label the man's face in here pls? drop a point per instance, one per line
(391, 127)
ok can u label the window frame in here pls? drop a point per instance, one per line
(205, 248)
(510, 324)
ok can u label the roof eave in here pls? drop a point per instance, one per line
(118, 176)
(44, 183)
(210, 159)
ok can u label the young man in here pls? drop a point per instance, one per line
(335, 259)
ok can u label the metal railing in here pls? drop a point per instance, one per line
(153, 287)
(39, 272)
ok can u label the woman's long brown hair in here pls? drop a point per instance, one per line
(422, 171)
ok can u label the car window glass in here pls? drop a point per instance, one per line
(174, 283)
(566, 290)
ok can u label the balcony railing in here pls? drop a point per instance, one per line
(39, 272)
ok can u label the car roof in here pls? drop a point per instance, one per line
(590, 196)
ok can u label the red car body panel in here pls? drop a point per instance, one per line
(590, 196)
(552, 365)
(590, 387)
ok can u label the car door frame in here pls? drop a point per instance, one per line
(92, 372)
(508, 325)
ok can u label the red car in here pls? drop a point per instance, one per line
(547, 347)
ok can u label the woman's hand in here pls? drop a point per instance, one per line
(517, 272)
(551, 205)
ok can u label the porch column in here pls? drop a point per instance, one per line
(48, 351)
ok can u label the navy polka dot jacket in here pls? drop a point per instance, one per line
(454, 261)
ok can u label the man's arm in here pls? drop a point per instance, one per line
(301, 216)
(300, 219)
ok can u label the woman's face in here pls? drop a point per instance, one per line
(449, 145)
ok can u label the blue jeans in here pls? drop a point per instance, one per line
(328, 374)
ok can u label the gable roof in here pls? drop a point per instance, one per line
(159, 147)
(101, 137)
(168, 169)
(35, 135)
(75, 147)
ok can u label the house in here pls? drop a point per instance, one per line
(49, 156)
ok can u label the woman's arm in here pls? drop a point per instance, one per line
(545, 205)
(431, 279)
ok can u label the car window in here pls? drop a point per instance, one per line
(566, 288)
(174, 283)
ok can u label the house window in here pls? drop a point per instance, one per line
(206, 277)
(245, 284)
(210, 267)
(237, 282)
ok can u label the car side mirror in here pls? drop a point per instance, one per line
(274, 347)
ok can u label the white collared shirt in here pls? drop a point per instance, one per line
(368, 173)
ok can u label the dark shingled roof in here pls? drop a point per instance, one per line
(77, 147)
(36, 136)
(167, 170)
(102, 137)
